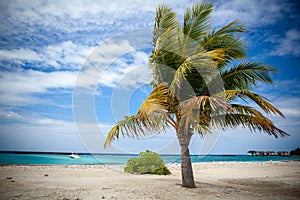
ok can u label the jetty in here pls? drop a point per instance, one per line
(267, 153)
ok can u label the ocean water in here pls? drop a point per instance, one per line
(16, 158)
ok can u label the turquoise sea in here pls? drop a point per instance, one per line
(108, 159)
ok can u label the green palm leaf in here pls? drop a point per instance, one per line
(200, 62)
(246, 74)
(227, 40)
(165, 20)
(232, 28)
(196, 20)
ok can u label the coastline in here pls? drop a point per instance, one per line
(111, 159)
(223, 180)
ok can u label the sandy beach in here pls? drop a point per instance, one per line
(222, 180)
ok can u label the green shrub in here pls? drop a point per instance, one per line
(148, 163)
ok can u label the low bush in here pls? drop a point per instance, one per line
(148, 163)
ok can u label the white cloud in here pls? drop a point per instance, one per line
(288, 45)
(111, 62)
(34, 119)
(290, 106)
(8, 114)
(18, 87)
(284, 94)
(65, 55)
(48, 134)
(29, 118)
(107, 52)
(36, 81)
(103, 17)
(127, 72)
(78, 15)
(104, 67)
(21, 54)
(292, 112)
(249, 12)
(285, 89)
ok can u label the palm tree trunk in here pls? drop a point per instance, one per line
(186, 165)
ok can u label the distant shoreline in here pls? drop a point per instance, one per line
(167, 164)
(130, 154)
(125, 154)
(85, 153)
(53, 158)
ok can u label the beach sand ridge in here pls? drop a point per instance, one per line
(214, 180)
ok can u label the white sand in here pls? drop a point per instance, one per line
(222, 180)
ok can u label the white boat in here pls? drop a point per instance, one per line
(75, 156)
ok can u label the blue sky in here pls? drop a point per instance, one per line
(70, 70)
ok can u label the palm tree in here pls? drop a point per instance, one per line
(199, 83)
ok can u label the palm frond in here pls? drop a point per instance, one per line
(245, 110)
(217, 55)
(259, 100)
(202, 128)
(246, 116)
(158, 102)
(153, 116)
(232, 28)
(195, 69)
(226, 38)
(246, 74)
(165, 20)
(136, 127)
(254, 123)
(166, 57)
(196, 20)
(183, 70)
(198, 110)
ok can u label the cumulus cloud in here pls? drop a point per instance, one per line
(251, 13)
(21, 54)
(35, 119)
(290, 88)
(128, 72)
(65, 55)
(288, 45)
(290, 107)
(110, 62)
(78, 15)
(19, 87)
(9, 114)
(106, 66)
(36, 81)
(284, 95)
(36, 24)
